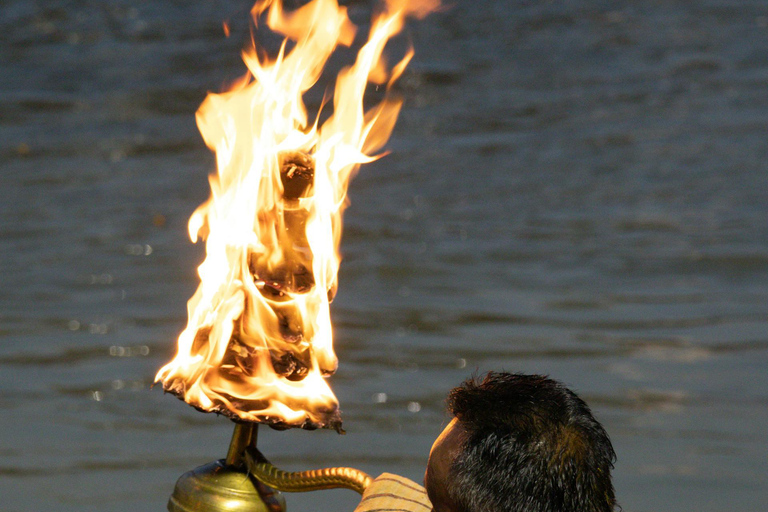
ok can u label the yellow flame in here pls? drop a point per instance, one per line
(258, 343)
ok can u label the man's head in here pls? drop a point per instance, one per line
(520, 443)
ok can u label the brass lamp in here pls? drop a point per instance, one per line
(246, 482)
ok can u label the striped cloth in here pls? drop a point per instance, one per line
(393, 493)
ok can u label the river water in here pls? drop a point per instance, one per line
(575, 188)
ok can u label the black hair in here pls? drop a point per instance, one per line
(530, 445)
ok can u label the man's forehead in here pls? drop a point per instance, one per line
(447, 435)
(444, 450)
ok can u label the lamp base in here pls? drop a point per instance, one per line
(217, 487)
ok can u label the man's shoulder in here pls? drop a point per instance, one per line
(394, 493)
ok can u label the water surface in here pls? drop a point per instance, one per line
(575, 188)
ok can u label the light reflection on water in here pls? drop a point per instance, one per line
(572, 190)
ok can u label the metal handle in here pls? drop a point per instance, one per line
(303, 481)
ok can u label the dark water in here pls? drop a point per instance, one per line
(575, 188)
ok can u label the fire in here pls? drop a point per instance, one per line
(258, 342)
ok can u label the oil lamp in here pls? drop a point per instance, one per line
(239, 483)
(257, 347)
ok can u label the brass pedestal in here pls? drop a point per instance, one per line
(217, 487)
(225, 485)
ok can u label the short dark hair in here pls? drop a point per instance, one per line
(531, 445)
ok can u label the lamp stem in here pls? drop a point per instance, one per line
(244, 436)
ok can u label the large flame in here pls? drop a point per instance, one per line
(258, 344)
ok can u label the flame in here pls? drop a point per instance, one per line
(258, 343)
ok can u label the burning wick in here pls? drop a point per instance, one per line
(258, 344)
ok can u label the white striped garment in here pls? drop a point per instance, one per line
(393, 493)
